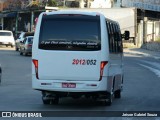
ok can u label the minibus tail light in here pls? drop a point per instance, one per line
(29, 45)
(102, 65)
(35, 62)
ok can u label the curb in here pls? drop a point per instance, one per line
(157, 58)
(143, 54)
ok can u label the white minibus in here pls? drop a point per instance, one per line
(77, 54)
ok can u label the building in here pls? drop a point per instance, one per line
(101, 4)
(90, 3)
(1, 15)
(1, 5)
(16, 15)
(148, 19)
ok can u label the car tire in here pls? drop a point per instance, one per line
(21, 53)
(17, 49)
(25, 54)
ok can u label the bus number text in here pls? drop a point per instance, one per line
(83, 62)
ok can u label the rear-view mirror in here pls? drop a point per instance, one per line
(126, 35)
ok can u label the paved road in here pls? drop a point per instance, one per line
(141, 87)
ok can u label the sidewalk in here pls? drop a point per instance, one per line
(144, 52)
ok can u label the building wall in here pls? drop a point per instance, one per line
(101, 4)
(1, 7)
(17, 4)
(153, 5)
(117, 3)
(97, 3)
(5, 4)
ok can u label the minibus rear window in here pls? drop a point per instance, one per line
(74, 33)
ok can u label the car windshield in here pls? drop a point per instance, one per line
(5, 34)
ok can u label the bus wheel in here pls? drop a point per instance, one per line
(46, 101)
(55, 101)
(108, 101)
(117, 94)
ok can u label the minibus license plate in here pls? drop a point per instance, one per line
(68, 85)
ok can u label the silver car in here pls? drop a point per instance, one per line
(21, 38)
(26, 46)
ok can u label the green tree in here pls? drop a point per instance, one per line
(52, 3)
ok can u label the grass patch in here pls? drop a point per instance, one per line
(158, 39)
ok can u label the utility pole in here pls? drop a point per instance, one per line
(64, 3)
(153, 32)
(144, 27)
(32, 21)
(88, 3)
(120, 3)
(16, 27)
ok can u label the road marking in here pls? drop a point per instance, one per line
(131, 55)
(156, 71)
(156, 64)
(157, 57)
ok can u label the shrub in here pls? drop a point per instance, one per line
(52, 3)
(158, 39)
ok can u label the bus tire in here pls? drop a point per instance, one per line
(17, 49)
(108, 101)
(55, 101)
(117, 94)
(46, 102)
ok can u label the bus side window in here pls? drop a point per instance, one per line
(115, 38)
(120, 45)
(118, 40)
(109, 36)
